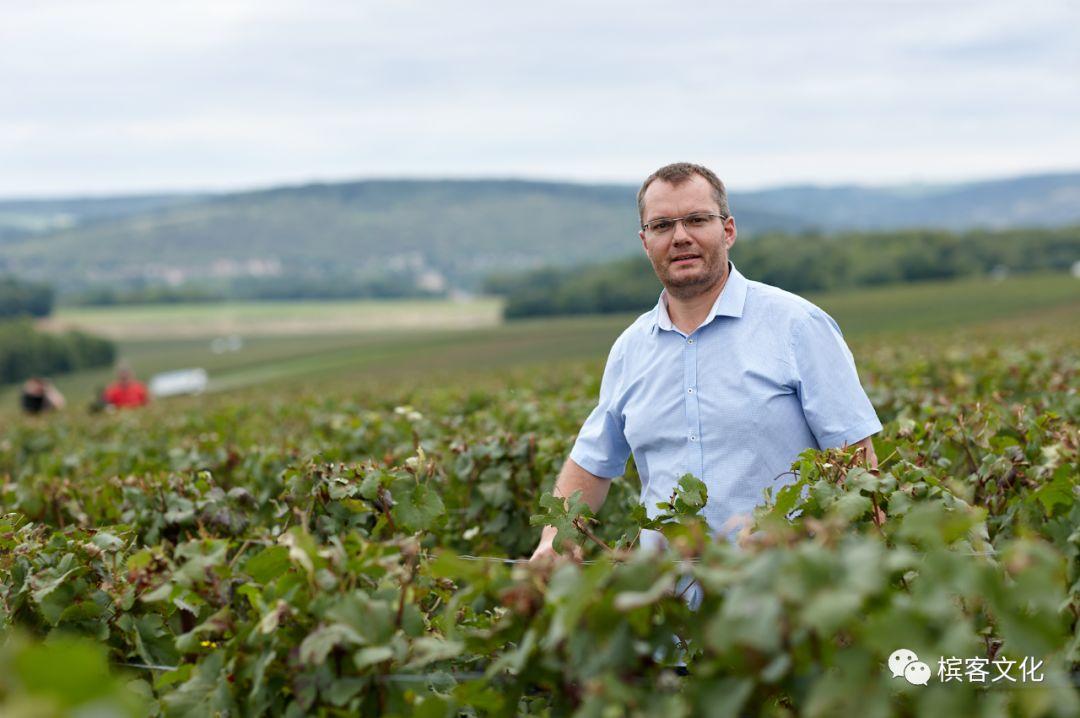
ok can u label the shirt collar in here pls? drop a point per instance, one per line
(730, 303)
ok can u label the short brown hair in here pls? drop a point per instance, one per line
(679, 172)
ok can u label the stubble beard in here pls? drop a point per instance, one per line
(711, 276)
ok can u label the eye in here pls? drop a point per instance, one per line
(661, 225)
(697, 221)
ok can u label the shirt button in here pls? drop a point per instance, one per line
(689, 341)
(693, 438)
(690, 390)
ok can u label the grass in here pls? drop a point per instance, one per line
(939, 311)
(944, 305)
(154, 321)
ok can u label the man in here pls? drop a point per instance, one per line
(126, 391)
(726, 379)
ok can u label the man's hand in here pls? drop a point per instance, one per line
(869, 457)
(545, 550)
(593, 490)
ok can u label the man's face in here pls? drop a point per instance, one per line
(688, 263)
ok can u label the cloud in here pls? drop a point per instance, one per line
(113, 95)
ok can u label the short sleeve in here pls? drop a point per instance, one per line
(836, 408)
(601, 446)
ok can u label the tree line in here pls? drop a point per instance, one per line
(25, 352)
(389, 285)
(801, 263)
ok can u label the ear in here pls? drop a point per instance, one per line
(644, 245)
(730, 232)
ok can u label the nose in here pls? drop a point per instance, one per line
(679, 234)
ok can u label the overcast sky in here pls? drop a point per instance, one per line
(115, 96)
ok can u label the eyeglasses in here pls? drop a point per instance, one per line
(664, 225)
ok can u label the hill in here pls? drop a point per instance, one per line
(26, 217)
(438, 235)
(444, 232)
(1050, 200)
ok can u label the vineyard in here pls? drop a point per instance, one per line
(356, 551)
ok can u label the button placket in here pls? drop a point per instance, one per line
(694, 454)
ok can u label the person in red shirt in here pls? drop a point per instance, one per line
(126, 391)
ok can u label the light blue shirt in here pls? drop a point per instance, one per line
(766, 376)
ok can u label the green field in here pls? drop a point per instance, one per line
(423, 353)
